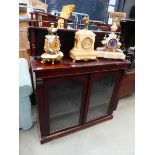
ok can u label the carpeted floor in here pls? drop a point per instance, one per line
(114, 137)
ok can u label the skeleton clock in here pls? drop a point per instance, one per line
(83, 44)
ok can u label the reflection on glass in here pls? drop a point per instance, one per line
(101, 94)
(112, 2)
(65, 102)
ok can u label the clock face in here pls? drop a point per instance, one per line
(87, 43)
(112, 43)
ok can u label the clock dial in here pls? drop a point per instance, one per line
(87, 43)
(112, 43)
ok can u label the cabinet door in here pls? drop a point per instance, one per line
(66, 97)
(101, 90)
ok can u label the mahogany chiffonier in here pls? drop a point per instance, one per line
(73, 96)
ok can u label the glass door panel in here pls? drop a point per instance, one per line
(100, 98)
(64, 97)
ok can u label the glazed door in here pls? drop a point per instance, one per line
(101, 92)
(65, 97)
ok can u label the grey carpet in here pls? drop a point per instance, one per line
(114, 137)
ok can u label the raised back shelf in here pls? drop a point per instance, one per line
(66, 36)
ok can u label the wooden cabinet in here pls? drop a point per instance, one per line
(72, 96)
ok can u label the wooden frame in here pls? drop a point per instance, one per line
(42, 19)
(119, 15)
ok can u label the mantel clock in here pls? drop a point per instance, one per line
(52, 46)
(111, 46)
(83, 44)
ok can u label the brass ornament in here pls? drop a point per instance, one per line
(51, 47)
(83, 44)
(65, 13)
(111, 48)
(86, 22)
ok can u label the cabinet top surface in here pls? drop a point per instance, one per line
(37, 66)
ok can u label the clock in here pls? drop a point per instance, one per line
(111, 48)
(51, 47)
(83, 44)
(87, 43)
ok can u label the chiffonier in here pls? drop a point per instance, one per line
(72, 96)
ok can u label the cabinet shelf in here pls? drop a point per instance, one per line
(63, 102)
(63, 108)
(64, 121)
(97, 112)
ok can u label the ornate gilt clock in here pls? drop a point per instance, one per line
(83, 44)
(52, 47)
(111, 48)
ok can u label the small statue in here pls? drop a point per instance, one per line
(116, 17)
(65, 13)
(114, 26)
(52, 46)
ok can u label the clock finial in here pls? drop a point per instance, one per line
(86, 22)
(52, 29)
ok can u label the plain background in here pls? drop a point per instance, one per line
(145, 77)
